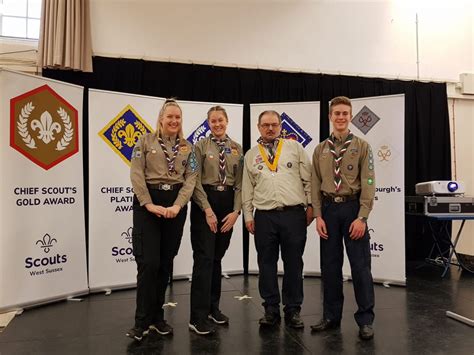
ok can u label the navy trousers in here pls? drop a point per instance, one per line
(156, 241)
(286, 230)
(338, 218)
(208, 250)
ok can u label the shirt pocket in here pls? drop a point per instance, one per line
(181, 163)
(350, 167)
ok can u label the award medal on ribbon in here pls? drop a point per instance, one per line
(271, 161)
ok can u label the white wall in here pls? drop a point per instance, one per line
(376, 38)
(461, 113)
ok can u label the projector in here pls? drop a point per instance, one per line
(440, 187)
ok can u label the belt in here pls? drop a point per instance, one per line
(218, 187)
(164, 187)
(340, 199)
(288, 208)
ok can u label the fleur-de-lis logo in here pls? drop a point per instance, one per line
(291, 130)
(287, 135)
(46, 127)
(128, 235)
(46, 243)
(130, 135)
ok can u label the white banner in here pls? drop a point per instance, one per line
(300, 121)
(111, 262)
(115, 122)
(381, 121)
(42, 238)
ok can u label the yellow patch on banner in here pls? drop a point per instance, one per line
(123, 132)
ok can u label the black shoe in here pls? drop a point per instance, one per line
(136, 333)
(218, 317)
(366, 332)
(325, 324)
(294, 320)
(201, 327)
(270, 319)
(161, 328)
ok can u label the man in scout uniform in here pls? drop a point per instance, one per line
(276, 183)
(342, 191)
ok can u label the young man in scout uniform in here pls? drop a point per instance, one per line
(342, 191)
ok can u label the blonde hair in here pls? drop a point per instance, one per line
(338, 100)
(217, 109)
(168, 103)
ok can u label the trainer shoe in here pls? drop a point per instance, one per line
(270, 319)
(218, 317)
(325, 324)
(162, 328)
(366, 332)
(201, 327)
(293, 320)
(136, 333)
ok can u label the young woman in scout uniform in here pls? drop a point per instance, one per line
(215, 208)
(163, 174)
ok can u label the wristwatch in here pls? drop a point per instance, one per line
(363, 219)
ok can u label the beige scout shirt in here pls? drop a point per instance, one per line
(207, 157)
(357, 173)
(289, 186)
(149, 166)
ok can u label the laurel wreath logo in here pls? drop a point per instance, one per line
(140, 126)
(117, 126)
(23, 127)
(68, 130)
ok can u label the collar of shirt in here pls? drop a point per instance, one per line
(226, 139)
(272, 143)
(339, 139)
(168, 139)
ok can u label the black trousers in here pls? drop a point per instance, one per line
(156, 241)
(338, 218)
(208, 250)
(286, 230)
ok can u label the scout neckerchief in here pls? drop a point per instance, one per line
(221, 144)
(169, 160)
(270, 159)
(338, 158)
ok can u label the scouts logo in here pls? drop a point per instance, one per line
(123, 132)
(291, 130)
(124, 254)
(201, 132)
(128, 235)
(365, 119)
(43, 127)
(376, 248)
(46, 243)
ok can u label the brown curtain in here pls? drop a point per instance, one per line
(65, 36)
